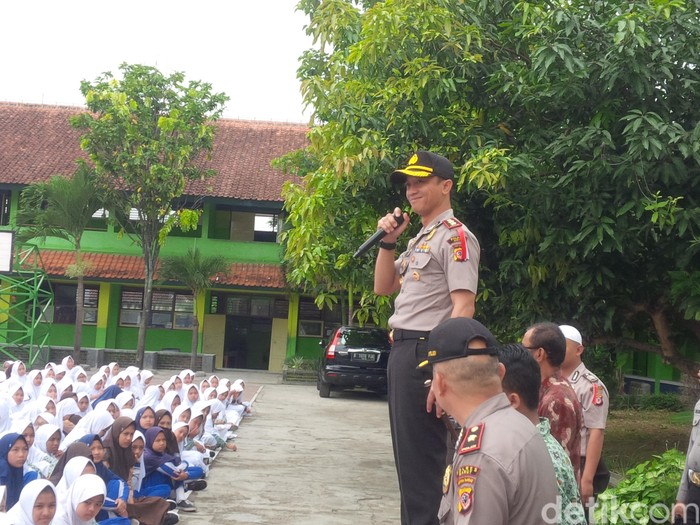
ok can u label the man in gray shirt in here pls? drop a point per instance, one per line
(501, 473)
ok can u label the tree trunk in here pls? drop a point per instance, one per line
(79, 305)
(147, 302)
(351, 305)
(195, 338)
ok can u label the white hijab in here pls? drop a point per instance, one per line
(72, 470)
(42, 435)
(65, 408)
(140, 465)
(21, 512)
(94, 423)
(85, 487)
(150, 399)
(31, 390)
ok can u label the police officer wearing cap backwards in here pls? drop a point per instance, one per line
(687, 507)
(436, 277)
(501, 472)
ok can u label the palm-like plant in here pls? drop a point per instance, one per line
(195, 271)
(63, 208)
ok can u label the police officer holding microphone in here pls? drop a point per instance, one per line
(436, 275)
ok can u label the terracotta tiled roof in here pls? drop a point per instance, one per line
(130, 268)
(37, 142)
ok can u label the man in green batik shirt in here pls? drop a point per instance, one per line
(521, 384)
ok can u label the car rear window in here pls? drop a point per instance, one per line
(373, 338)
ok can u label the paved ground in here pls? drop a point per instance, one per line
(302, 460)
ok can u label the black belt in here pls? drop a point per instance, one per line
(406, 335)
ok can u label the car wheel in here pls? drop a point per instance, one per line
(324, 389)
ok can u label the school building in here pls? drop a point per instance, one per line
(249, 319)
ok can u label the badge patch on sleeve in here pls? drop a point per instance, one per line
(465, 479)
(465, 499)
(459, 245)
(597, 395)
(472, 439)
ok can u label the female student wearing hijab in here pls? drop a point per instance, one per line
(85, 500)
(114, 510)
(33, 384)
(145, 419)
(13, 454)
(163, 468)
(151, 397)
(75, 468)
(171, 400)
(26, 430)
(47, 439)
(36, 505)
(64, 409)
(164, 420)
(74, 450)
(96, 422)
(120, 459)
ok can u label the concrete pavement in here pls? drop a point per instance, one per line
(303, 460)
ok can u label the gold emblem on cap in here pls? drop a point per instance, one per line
(413, 159)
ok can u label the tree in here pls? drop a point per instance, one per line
(196, 272)
(63, 208)
(575, 130)
(145, 133)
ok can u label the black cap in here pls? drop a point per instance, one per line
(450, 340)
(424, 164)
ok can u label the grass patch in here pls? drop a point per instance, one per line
(634, 436)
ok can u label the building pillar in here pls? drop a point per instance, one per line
(292, 324)
(103, 315)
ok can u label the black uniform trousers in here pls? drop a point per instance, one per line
(692, 506)
(419, 438)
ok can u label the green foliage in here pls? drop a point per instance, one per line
(144, 133)
(575, 131)
(670, 402)
(63, 208)
(646, 492)
(301, 363)
(193, 269)
(602, 362)
(60, 207)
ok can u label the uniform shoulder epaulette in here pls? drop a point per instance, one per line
(458, 241)
(452, 223)
(591, 377)
(472, 439)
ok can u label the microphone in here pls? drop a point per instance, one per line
(375, 238)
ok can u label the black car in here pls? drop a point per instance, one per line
(354, 357)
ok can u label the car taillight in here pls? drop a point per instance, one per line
(330, 353)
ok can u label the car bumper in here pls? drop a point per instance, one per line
(347, 377)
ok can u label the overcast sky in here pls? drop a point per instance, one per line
(248, 49)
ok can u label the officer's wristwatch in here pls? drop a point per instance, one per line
(387, 245)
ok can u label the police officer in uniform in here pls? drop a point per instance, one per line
(436, 277)
(595, 402)
(687, 507)
(501, 473)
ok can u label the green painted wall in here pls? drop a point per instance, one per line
(156, 339)
(236, 251)
(309, 347)
(64, 334)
